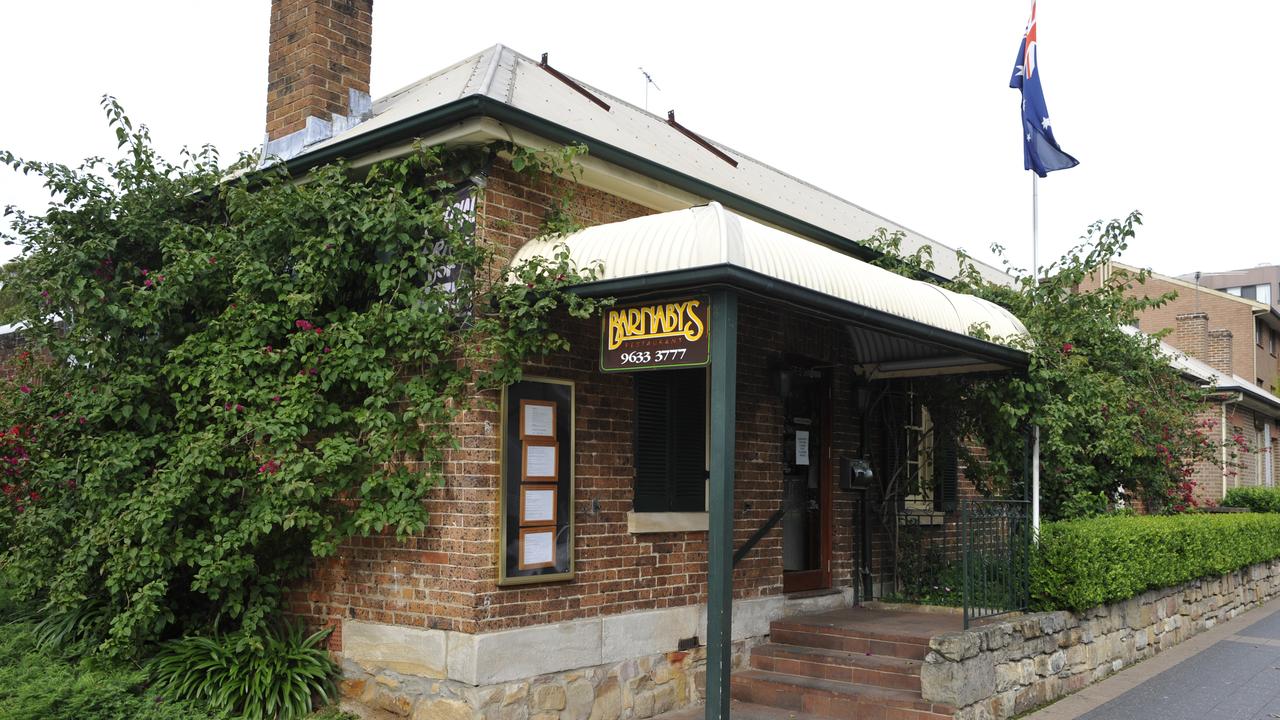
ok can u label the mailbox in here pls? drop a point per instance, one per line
(855, 474)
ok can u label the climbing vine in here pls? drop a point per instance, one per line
(244, 370)
(1117, 420)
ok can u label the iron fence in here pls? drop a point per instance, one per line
(996, 547)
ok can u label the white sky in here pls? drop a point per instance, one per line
(901, 107)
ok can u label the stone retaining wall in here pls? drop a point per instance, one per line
(636, 688)
(1006, 668)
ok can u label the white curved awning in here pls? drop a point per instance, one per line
(708, 236)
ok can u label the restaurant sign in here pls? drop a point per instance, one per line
(668, 334)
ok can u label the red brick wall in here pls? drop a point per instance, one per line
(1224, 313)
(446, 578)
(319, 49)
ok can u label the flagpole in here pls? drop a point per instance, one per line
(1035, 279)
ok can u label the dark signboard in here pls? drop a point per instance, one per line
(653, 335)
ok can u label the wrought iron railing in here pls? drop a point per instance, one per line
(996, 545)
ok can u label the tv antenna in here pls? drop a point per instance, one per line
(648, 80)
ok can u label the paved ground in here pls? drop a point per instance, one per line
(1231, 672)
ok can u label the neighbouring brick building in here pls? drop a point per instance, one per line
(1252, 326)
(1228, 343)
(610, 542)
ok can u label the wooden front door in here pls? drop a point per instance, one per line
(806, 481)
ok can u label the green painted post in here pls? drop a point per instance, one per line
(724, 403)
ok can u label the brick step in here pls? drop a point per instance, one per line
(833, 699)
(861, 668)
(739, 711)
(854, 640)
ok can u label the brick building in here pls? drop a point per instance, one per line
(1240, 416)
(1253, 326)
(1228, 343)
(622, 527)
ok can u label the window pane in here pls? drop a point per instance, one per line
(1264, 294)
(1232, 291)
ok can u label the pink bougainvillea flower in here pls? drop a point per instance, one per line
(275, 399)
(267, 349)
(147, 282)
(303, 325)
(1067, 348)
(327, 350)
(212, 260)
(81, 421)
(26, 390)
(239, 407)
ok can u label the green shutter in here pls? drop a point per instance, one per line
(689, 440)
(946, 464)
(651, 439)
(670, 429)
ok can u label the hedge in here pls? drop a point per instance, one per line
(1257, 499)
(1082, 563)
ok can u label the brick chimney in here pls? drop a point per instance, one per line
(317, 70)
(1219, 355)
(1191, 335)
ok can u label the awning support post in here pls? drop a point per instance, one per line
(724, 378)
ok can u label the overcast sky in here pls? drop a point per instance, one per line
(901, 107)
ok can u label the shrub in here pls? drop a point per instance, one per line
(1082, 563)
(237, 375)
(1256, 499)
(229, 674)
(38, 684)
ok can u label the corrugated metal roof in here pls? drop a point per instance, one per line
(709, 235)
(1207, 374)
(509, 77)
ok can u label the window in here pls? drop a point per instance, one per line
(929, 463)
(1232, 291)
(671, 441)
(1263, 293)
(1271, 342)
(1257, 332)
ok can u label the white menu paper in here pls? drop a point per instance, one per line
(539, 547)
(539, 420)
(540, 461)
(539, 505)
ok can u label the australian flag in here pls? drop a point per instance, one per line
(1040, 152)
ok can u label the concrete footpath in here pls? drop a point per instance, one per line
(1230, 672)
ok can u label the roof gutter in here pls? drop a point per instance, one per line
(1251, 398)
(775, 289)
(473, 106)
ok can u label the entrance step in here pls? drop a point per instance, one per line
(834, 699)
(879, 670)
(739, 710)
(849, 663)
(856, 639)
